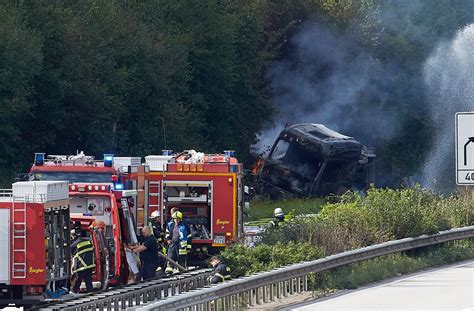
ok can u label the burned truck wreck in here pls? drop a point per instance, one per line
(311, 160)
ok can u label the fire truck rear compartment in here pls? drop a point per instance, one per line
(194, 200)
(57, 243)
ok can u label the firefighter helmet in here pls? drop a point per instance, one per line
(155, 214)
(177, 215)
(278, 212)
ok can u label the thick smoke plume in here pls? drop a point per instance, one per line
(330, 80)
(449, 79)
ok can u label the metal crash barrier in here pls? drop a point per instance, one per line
(270, 285)
(136, 294)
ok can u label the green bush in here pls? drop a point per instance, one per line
(244, 260)
(381, 215)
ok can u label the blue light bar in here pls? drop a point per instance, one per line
(229, 153)
(167, 152)
(108, 160)
(118, 186)
(39, 158)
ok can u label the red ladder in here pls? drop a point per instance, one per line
(19, 240)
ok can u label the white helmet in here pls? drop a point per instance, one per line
(155, 214)
(278, 212)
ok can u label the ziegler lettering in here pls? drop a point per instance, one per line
(35, 270)
(222, 222)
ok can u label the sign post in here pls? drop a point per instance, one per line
(465, 148)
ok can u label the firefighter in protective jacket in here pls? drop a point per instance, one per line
(83, 261)
(279, 217)
(221, 271)
(155, 224)
(178, 235)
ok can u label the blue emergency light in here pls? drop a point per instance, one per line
(229, 153)
(39, 158)
(167, 152)
(118, 186)
(108, 160)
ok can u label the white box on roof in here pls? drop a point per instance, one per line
(41, 190)
(157, 162)
(122, 163)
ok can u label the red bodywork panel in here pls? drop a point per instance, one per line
(35, 244)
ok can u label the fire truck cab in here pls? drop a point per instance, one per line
(98, 204)
(104, 213)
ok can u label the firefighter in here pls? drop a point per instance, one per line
(279, 217)
(172, 211)
(84, 261)
(221, 271)
(178, 236)
(155, 225)
(148, 254)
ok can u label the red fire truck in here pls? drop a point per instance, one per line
(207, 189)
(35, 239)
(97, 197)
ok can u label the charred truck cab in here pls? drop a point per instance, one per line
(311, 160)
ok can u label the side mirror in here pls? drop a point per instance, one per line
(22, 177)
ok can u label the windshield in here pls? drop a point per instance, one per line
(74, 177)
(293, 156)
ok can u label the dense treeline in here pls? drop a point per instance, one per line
(134, 77)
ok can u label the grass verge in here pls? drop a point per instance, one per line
(261, 211)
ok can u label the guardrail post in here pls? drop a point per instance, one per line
(123, 303)
(250, 298)
(264, 294)
(130, 300)
(305, 283)
(240, 299)
(271, 294)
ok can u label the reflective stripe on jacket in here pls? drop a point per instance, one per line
(220, 273)
(84, 256)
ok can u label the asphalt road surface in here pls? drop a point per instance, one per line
(449, 288)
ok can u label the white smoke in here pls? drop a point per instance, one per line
(449, 80)
(329, 79)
